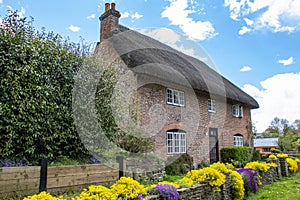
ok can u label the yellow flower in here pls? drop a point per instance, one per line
(42, 196)
(282, 155)
(293, 165)
(260, 166)
(272, 156)
(128, 188)
(238, 185)
(170, 183)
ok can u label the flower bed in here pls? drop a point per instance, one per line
(218, 181)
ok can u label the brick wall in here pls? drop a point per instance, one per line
(155, 117)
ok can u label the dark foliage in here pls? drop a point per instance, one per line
(36, 80)
(179, 165)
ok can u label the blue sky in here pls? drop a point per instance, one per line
(253, 43)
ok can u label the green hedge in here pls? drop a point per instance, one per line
(36, 81)
(238, 156)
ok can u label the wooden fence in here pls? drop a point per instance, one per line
(26, 180)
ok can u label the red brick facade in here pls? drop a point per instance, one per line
(157, 117)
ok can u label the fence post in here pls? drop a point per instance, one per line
(122, 165)
(43, 174)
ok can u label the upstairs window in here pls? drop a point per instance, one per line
(211, 105)
(238, 140)
(175, 97)
(176, 141)
(237, 110)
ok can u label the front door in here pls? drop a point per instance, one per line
(213, 145)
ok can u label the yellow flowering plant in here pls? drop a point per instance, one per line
(207, 175)
(272, 164)
(185, 182)
(128, 188)
(237, 185)
(170, 183)
(292, 164)
(260, 166)
(272, 156)
(282, 155)
(96, 192)
(43, 196)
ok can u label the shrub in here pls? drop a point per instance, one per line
(256, 155)
(237, 185)
(235, 155)
(292, 164)
(250, 179)
(96, 192)
(165, 191)
(282, 155)
(128, 188)
(180, 166)
(44, 196)
(207, 175)
(36, 79)
(263, 167)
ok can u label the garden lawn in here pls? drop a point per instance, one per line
(287, 188)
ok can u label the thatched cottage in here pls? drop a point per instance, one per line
(183, 103)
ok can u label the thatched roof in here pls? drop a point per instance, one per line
(145, 55)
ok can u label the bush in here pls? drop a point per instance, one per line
(237, 156)
(179, 166)
(256, 155)
(36, 81)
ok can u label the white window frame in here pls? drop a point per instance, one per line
(237, 110)
(176, 142)
(238, 140)
(211, 104)
(174, 97)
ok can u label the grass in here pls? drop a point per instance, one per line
(287, 188)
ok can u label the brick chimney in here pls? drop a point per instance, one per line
(109, 20)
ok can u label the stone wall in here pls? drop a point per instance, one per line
(205, 191)
(145, 169)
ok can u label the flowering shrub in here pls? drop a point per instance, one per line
(96, 193)
(170, 183)
(237, 185)
(263, 167)
(42, 196)
(185, 182)
(293, 165)
(207, 175)
(12, 163)
(221, 167)
(282, 155)
(165, 191)
(272, 156)
(128, 188)
(249, 176)
(272, 164)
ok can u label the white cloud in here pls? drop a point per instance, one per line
(125, 15)
(245, 69)
(174, 40)
(136, 15)
(278, 16)
(286, 62)
(1, 1)
(279, 97)
(74, 28)
(178, 14)
(91, 16)
(244, 30)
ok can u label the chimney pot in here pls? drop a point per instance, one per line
(107, 7)
(113, 6)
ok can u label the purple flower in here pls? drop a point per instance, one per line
(12, 163)
(165, 191)
(139, 197)
(249, 177)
